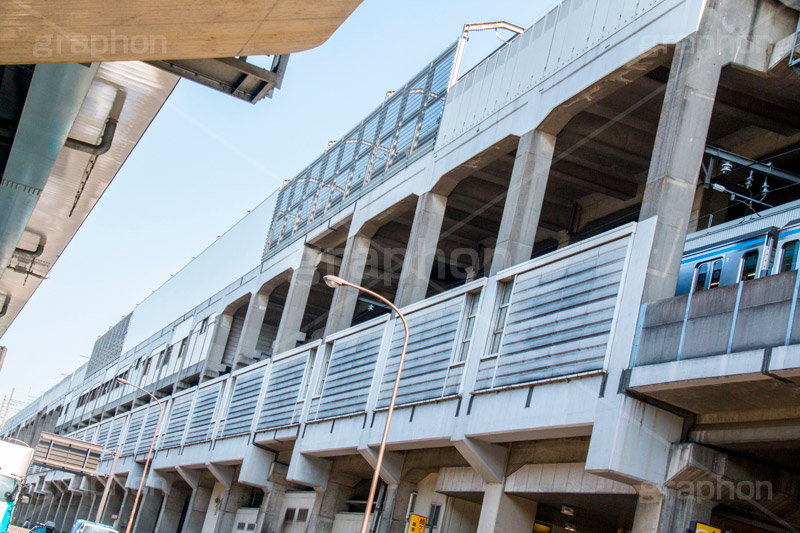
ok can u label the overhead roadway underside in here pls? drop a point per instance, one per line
(55, 32)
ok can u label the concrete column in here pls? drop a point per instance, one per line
(524, 200)
(125, 509)
(84, 506)
(198, 506)
(343, 306)
(393, 518)
(72, 510)
(326, 505)
(44, 509)
(96, 496)
(272, 508)
(172, 508)
(421, 251)
(113, 504)
(671, 512)
(677, 157)
(245, 351)
(296, 299)
(235, 497)
(503, 512)
(149, 510)
(222, 328)
(57, 512)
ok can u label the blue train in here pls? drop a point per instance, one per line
(755, 246)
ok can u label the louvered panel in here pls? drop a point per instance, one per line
(176, 423)
(102, 433)
(485, 373)
(116, 433)
(147, 430)
(350, 372)
(202, 414)
(453, 382)
(559, 321)
(432, 335)
(242, 408)
(283, 388)
(134, 430)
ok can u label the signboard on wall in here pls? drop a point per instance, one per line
(699, 527)
(417, 524)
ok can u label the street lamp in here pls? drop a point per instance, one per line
(333, 282)
(149, 452)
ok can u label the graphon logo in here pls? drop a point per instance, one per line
(98, 46)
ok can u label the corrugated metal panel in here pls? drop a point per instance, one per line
(237, 325)
(432, 335)
(134, 430)
(777, 217)
(176, 423)
(559, 321)
(148, 429)
(202, 414)
(285, 379)
(240, 413)
(350, 372)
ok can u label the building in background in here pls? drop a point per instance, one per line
(576, 362)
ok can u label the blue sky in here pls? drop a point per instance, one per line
(207, 158)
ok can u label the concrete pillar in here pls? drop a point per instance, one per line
(296, 299)
(72, 510)
(327, 504)
(172, 508)
(198, 506)
(84, 506)
(671, 512)
(245, 351)
(524, 200)
(113, 504)
(44, 510)
(393, 517)
(125, 509)
(222, 328)
(343, 306)
(149, 510)
(677, 157)
(503, 512)
(421, 251)
(96, 496)
(57, 511)
(235, 496)
(272, 508)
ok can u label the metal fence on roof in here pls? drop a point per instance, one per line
(405, 125)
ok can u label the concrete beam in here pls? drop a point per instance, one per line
(257, 462)
(245, 350)
(190, 475)
(489, 460)
(391, 467)
(223, 474)
(309, 471)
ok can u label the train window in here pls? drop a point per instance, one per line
(702, 277)
(716, 273)
(749, 265)
(789, 256)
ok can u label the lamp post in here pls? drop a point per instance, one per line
(335, 281)
(149, 452)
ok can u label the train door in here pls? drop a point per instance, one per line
(707, 275)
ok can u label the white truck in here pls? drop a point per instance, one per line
(15, 459)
